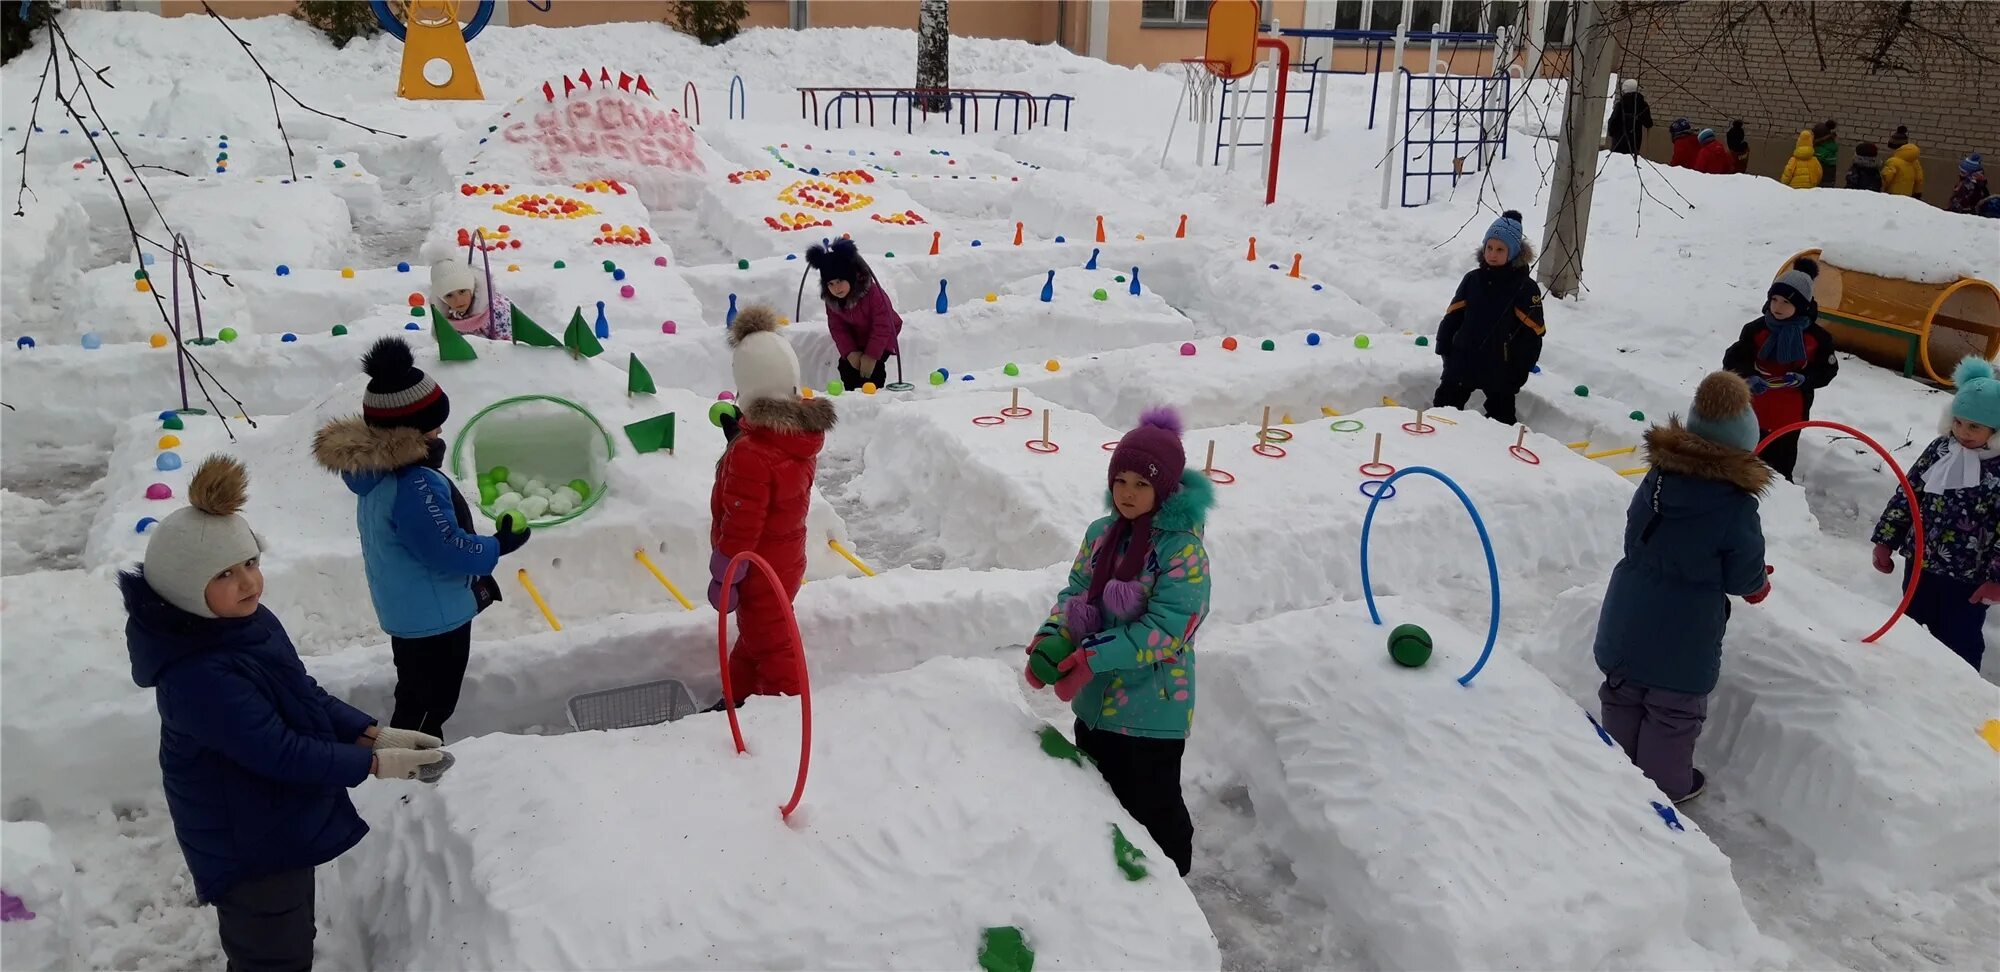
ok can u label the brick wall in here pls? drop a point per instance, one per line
(1712, 62)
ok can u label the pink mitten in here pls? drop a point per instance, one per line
(1029, 670)
(1988, 593)
(1076, 674)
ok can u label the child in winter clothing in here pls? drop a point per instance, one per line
(1491, 335)
(1971, 188)
(1785, 356)
(763, 489)
(1899, 138)
(1685, 146)
(1903, 174)
(255, 756)
(1802, 170)
(1119, 643)
(1692, 540)
(1866, 172)
(1826, 150)
(459, 292)
(1739, 145)
(1630, 119)
(1714, 157)
(1958, 481)
(425, 566)
(859, 314)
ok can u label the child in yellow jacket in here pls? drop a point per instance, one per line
(1802, 170)
(1903, 174)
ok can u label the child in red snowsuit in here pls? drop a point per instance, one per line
(1785, 356)
(763, 488)
(1686, 146)
(1713, 157)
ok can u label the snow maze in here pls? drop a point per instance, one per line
(1422, 818)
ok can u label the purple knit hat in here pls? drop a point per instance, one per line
(1153, 450)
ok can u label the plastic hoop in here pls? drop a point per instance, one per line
(1909, 496)
(1111, 446)
(988, 420)
(805, 685)
(387, 17)
(1277, 435)
(1221, 477)
(1382, 491)
(1419, 428)
(1524, 454)
(1492, 567)
(1379, 470)
(1015, 412)
(899, 386)
(1045, 448)
(1347, 425)
(1268, 450)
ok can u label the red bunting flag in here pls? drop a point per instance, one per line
(568, 86)
(584, 76)
(548, 92)
(624, 81)
(644, 88)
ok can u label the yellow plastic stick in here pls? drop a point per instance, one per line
(1606, 453)
(522, 576)
(1634, 471)
(1328, 411)
(1580, 446)
(851, 558)
(1392, 403)
(662, 578)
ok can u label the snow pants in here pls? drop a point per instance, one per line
(1782, 455)
(765, 659)
(267, 923)
(1656, 727)
(1944, 607)
(1499, 401)
(1145, 775)
(429, 674)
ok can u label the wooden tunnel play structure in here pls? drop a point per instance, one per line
(1922, 328)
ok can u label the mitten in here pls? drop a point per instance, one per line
(1758, 385)
(721, 591)
(1988, 593)
(405, 739)
(1788, 380)
(404, 764)
(1076, 674)
(1885, 559)
(508, 539)
(1758, 598)
(1045, 656)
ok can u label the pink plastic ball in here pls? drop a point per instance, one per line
(667, 327)
(159, 491)
(728, 396)
(659, 261)
(626, 291)
(1187, 350)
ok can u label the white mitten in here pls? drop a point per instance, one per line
(404, 764)
(405, 739)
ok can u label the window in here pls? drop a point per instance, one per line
(1465, 17)
(1173, 13)
(1560, 14)
(1347, 14)
(1458, 16)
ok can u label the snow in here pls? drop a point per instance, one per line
(1349, 813)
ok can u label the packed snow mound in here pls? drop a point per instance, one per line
(597, 125)
(1883, 259)
(1869, 755)
(251, 225)
(1500, 832)
(34, 869)
(932, 813)
(43, 249)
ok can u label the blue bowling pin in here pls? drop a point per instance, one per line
(1092, 265)
(731, 320)
(604, 326)
(1134, 289)
(943, 302)
(1049, 288)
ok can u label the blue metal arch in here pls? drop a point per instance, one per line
(1492, 568)
(386, 16)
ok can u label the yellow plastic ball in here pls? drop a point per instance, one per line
(157, 340)
(805, 393)
(867, 388)
(347, 273)
(142, 286)
(990, 298)
(1053, 365)
(169, 441)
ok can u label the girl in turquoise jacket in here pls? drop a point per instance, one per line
(1119, 643)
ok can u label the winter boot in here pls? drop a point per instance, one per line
(1700, 783)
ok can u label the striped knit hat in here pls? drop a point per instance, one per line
(399, 394)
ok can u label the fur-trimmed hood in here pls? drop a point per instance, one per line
(1187, 510)
(791, 416)
(363, 454)
(1671, 448)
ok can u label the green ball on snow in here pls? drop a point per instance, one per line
(1361, 340)
(1012, 369)
(1583, 391)
(1423, 342)
(1637, 416)
(1410, 645)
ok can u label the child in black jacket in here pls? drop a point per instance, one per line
(1491, 335)
(1785, 355)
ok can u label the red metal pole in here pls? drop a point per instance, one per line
(1277, 123)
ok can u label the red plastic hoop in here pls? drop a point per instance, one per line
(1524, 454)
(1045, 448)
(1221, 477)
(1111, 446)
(1277, 435)
(1014, 411)
(805, 684)
(1909, 495)
(1268, 450)
(1419, 428)
(988, 420)
(1386, 470)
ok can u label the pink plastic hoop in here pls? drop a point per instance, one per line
(1419, 428)
(1045, 448)
(1268, 450)
(988, 420)
(1221, 477)
(1015, 412)
(1385, 470)
(1524, 454)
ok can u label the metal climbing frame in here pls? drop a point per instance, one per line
(1247, 89)
(1481, 102)
(1450, 43)
(963, 101)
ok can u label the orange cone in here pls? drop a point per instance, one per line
(1017, 234)
(1295, 265)
(1100, 229)
(1181, 232)
(1252, 257)
(934, 242)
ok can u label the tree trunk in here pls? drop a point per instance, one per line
(1561, 266)
(934, 53)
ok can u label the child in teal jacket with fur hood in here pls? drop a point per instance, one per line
(1119, 644)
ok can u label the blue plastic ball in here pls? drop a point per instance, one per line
(850, 151)
(25, 342)
(146, 260)
(813, 171)
(1318, 287)
(964, 377)
(412, 326)
(222, 168)
(289, 337)
(618, 274)
(284, 271)
(1061, 240)
(169, 413)
(1313, 339)
(92, 342)
(402, 268)
(145, 523)
(791, 256)
(167, 462)
(975, 242)
(1535, 369)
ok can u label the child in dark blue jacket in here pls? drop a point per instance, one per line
(256, 758)
(424, 563)
(1692, 539)
(1491, 335)
(1958, 481)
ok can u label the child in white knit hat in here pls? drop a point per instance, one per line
(255, 756)
(459, 292)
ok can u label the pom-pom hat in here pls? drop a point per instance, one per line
(202, 539)
(1796, 284)
(399, 394)
(1153, 450)
(1721, 412)
(1978, 395)
(1507, 229)
(840, 261)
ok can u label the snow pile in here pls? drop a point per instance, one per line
(596, 125)
(932, 813)
(1885, 259)
(43, 931)
(250, 226)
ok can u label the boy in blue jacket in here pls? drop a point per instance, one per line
(1692, 540)
(256, 758)
(422, 558)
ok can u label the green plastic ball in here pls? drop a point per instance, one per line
(1583, 391)
(609, 266)
(937, 377)
(835, 388)
(1099, 294)
(719, 409)
(416, 312)
(742, 264)
(1423, 342)
(1637, 416)
(1361, 340)
(172, 423)
(339, 330)
(500, 474)
(488, 493)
(889, 254)
(513, 521)
(1012, 369)
(138, 274)
(560, 264)
(582, 488)
(1120, 278)
(227, 334)
(1269, 345)
(1410, 645)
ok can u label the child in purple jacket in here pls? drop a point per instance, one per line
(863, 322)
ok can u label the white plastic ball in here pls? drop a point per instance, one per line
(509, 500)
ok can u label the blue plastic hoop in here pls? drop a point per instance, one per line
(394, 24)
(1492, 567)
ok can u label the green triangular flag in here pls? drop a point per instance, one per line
(452, 346)
(527, 332)
(653, 434)
(638, 381)
(579, 338)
